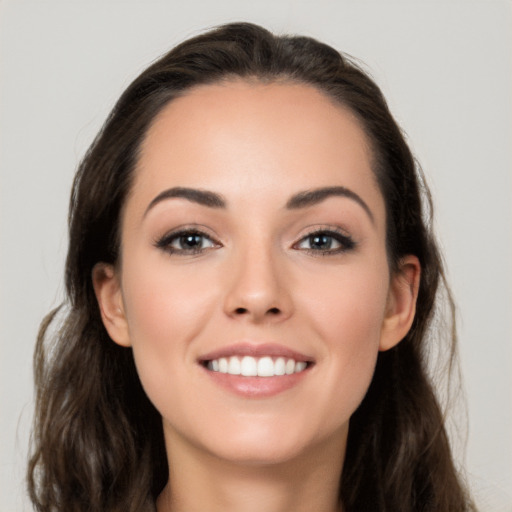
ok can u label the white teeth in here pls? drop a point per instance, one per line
(290, 366)
(249, 366)
(299, 366)
(223, 365)
(265, 367)
(280, 366)
(234, 366)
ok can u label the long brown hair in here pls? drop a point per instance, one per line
(98, 442)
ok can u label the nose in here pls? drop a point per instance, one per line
(259, 287)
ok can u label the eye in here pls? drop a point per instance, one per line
(186, 242)
(326, 242)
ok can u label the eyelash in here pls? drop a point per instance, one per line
(165, 243)
(346, 242)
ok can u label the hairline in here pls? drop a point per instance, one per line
(279, 78)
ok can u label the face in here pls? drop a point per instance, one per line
(254, 285)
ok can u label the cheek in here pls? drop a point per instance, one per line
(348, 306)
(164, 302)
(348, 318)
(165, 311)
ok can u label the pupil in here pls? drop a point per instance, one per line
(190, 241)
(321, 242)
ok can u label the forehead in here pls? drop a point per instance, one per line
(268, 137)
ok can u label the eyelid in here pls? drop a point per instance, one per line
(346, 241)
(163, 242)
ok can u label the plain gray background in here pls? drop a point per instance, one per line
(446, 69)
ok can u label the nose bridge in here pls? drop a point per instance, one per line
(258, 281)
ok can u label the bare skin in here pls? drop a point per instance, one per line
(255, 229)
(218, 485)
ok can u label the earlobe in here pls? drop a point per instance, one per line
(401, 306)
(108, 294)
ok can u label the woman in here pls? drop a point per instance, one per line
(251, 284)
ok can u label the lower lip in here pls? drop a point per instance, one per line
(256, 387)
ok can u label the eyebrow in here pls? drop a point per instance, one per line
(202, 197)
(315, 196)
(301, 200)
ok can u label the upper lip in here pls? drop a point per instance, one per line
(256, 350)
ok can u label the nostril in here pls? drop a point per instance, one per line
(270, 312)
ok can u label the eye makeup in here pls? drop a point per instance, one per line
(325, 242)
(194, 241)
(186, 241)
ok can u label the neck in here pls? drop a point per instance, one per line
(200, 481)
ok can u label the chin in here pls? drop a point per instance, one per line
(257, 455)
(269, 444)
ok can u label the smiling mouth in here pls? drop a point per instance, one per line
(249, 366)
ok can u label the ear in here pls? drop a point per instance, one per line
(108, 294)
(401, 306)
